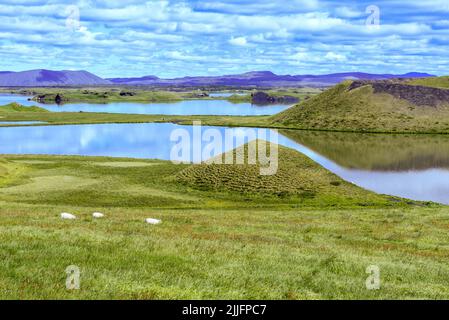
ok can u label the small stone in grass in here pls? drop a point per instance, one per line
(67, 216)
(153, 221)
(97, 215)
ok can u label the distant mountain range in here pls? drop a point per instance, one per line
(46, 78)
(264, 79)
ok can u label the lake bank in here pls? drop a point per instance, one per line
(414, 167)
(67, 118)
(181, 107)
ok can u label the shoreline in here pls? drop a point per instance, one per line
(67, 118)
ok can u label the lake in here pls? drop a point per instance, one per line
(409, 166)
(11, 123)
(186, 107)
(225, 94)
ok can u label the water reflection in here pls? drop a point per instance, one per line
(410, 166)
(379, 152)
(414, 167)
(187, 107)
(10, 123)
(225, 94)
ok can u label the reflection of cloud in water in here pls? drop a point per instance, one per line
(87, 136)
(419, 185)
(153, 141)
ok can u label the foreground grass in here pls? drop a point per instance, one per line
(98, 95)
(211, 244)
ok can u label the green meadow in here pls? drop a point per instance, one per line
(307, 234)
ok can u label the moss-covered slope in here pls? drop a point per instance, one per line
(370, 107)
(296, 176)
(15, 107)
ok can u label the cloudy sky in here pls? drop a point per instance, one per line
(171, 38)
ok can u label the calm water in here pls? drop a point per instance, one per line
(20, 122)
(225, 94)
(414, 167)
(187, 107)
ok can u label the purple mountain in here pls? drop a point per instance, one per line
(130, 80)
(264, 79)
(45, 78)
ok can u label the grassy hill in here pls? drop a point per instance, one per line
(436, 82)
(103, 95)
(297, 177)
(15, 107)
(370, 107)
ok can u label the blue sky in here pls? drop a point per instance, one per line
(211, 37)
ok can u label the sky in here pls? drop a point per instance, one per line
(173, 38)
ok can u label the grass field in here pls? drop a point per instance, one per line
(436, 82)
(227, 244)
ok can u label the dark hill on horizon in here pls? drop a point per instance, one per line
(48, 78)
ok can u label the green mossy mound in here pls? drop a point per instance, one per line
(296, 175)
(16, 107)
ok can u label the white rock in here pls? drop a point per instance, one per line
(97, 215)
(153, 221)
(68, 216)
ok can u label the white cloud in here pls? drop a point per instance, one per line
(335, 56)
(239, 41)
(181, 37)
(347, 12)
